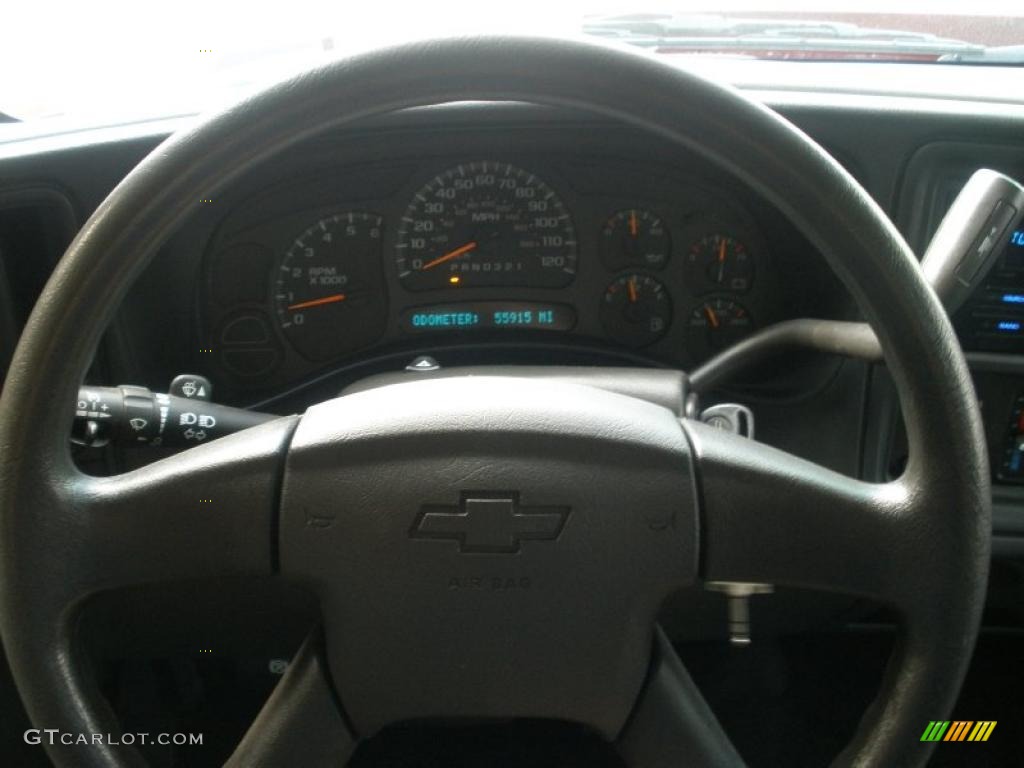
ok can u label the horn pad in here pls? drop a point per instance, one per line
(489, 547)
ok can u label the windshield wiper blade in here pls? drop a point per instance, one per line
(1002, 55)
(710, 32)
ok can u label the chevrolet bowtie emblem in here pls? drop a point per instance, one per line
(487, 521)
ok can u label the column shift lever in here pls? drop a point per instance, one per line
(972, 235)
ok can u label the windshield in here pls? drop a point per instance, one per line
(128, 60)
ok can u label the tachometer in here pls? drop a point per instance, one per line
(485, 224)
(329, 295)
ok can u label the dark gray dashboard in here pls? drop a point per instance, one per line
(907, 153)
(722, 263)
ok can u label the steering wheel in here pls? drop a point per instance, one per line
(489, 547)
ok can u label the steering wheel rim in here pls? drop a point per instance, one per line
(934, 520)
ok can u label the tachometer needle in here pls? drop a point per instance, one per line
(632, 223)
(712, 317)
(470, 246)
(318, 302)
(634, 294)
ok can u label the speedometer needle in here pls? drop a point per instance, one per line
(318, 302)
(470, 246)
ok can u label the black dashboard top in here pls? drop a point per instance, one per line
(531, 240)
(480, 236)
(218, 300)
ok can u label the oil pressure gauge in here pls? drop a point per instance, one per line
(635, 238)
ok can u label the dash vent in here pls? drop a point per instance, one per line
(36, 225)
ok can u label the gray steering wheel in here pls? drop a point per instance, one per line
(608, 503)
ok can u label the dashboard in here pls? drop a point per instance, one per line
(514, 234)
(529, 240)
(505, 234)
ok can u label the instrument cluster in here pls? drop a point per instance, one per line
(652, 264)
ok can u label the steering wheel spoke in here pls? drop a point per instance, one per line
(301, 723)
(772, 517)
(672, 724)
(201, 514)
(150, 525)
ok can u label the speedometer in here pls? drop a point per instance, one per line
(485, 224)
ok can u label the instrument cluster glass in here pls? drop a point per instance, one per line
(488, 248)
(485, 224)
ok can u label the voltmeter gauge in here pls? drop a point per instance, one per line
(636, 310)
(722, 263)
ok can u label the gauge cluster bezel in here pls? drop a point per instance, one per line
(593, 185)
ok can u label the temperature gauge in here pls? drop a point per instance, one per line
(716, 324)
(722, 262)
(636, 310)
(635, 238)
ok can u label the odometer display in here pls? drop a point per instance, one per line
(485, 224)
(476, 315)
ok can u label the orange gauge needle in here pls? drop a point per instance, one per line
(470, 246)
(633, 293)
(632, 223)
(318, 302)
(712, 317)
(721, 259)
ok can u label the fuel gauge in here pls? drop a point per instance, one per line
(636, 310)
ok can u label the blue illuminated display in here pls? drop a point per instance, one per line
(527, 317)
(445, 319)
(1013, 298)
(471, 315)
(1017, 238)
(1008, 325)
